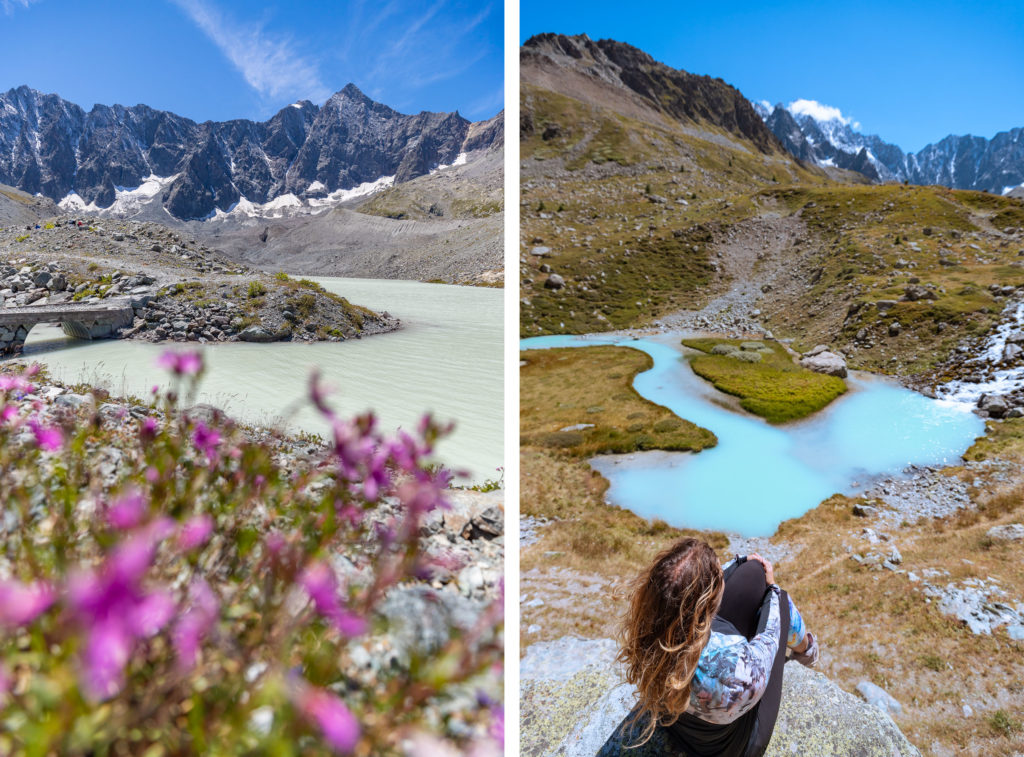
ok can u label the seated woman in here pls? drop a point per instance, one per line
(705, 646)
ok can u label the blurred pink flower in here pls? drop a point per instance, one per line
(321, 584)
(275, 542)
(195, 624)
(181, 363)
(15, 382)
(149, 427)
(49, 438)
(20, 603)
(497, 729)
(128, 510)
(338, 725)
(195, 531)
(206, 440)
(114, 610)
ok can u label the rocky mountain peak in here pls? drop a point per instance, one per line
(962, 162)
(87, 160)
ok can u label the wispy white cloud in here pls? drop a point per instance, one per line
(10, 6)
(427, 55)
(820, 112)
(268, 63)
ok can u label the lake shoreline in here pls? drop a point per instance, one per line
(872, 432)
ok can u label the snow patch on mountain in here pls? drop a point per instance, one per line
(128, 201)
(460, 160)
(288, 205)
(73, 203)
(131, 201)
(343, 195)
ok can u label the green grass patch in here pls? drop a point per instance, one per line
(593, 387)
(775, 387)
(1003, 438)
(256, 289)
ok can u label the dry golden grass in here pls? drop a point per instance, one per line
(561, 388)
(584, 560)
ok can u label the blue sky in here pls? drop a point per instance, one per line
(911, 72)
(223, 59)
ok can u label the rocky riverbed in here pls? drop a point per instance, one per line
(179, 290)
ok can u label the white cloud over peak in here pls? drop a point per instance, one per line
(10, 6)
(267, 62)
(820, 112)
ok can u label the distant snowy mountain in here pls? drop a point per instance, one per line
(820, 134)
(128, 161)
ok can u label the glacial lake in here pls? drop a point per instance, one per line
(760, 475)
(446, 358)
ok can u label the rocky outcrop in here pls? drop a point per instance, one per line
(675, 93)
(824, 361)
(55, 148)
(572, 699)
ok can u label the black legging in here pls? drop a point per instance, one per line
(741, 606)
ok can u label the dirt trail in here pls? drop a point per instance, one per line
(756, 258)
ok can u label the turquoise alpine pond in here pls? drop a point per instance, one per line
(760, 475)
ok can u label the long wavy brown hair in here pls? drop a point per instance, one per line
(666, 627)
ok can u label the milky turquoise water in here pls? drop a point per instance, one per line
(759, 475)
(447, 358)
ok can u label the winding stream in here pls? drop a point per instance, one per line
(759, 475)
(446, 358)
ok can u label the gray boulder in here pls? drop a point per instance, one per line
(880, 698)
(993, 404)
(255, 334)
(1009, 532)
(554, 281)
(421, 620)
(914, 292)
(825, 362)
(572, 699)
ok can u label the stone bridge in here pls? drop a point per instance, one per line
(93, 320)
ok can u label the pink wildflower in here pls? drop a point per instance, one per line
(337, 723)
(9, 413)
(15, 382)
(49, 438)
(114, 609)
(195, 624)
(497, 729)
(20, 603)
(275, 542)
(149, 427)
(195, 531)
(181, 363)
(206, 440)
(321, 584)
(128, 510)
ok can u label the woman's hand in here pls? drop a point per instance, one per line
(769, 573)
